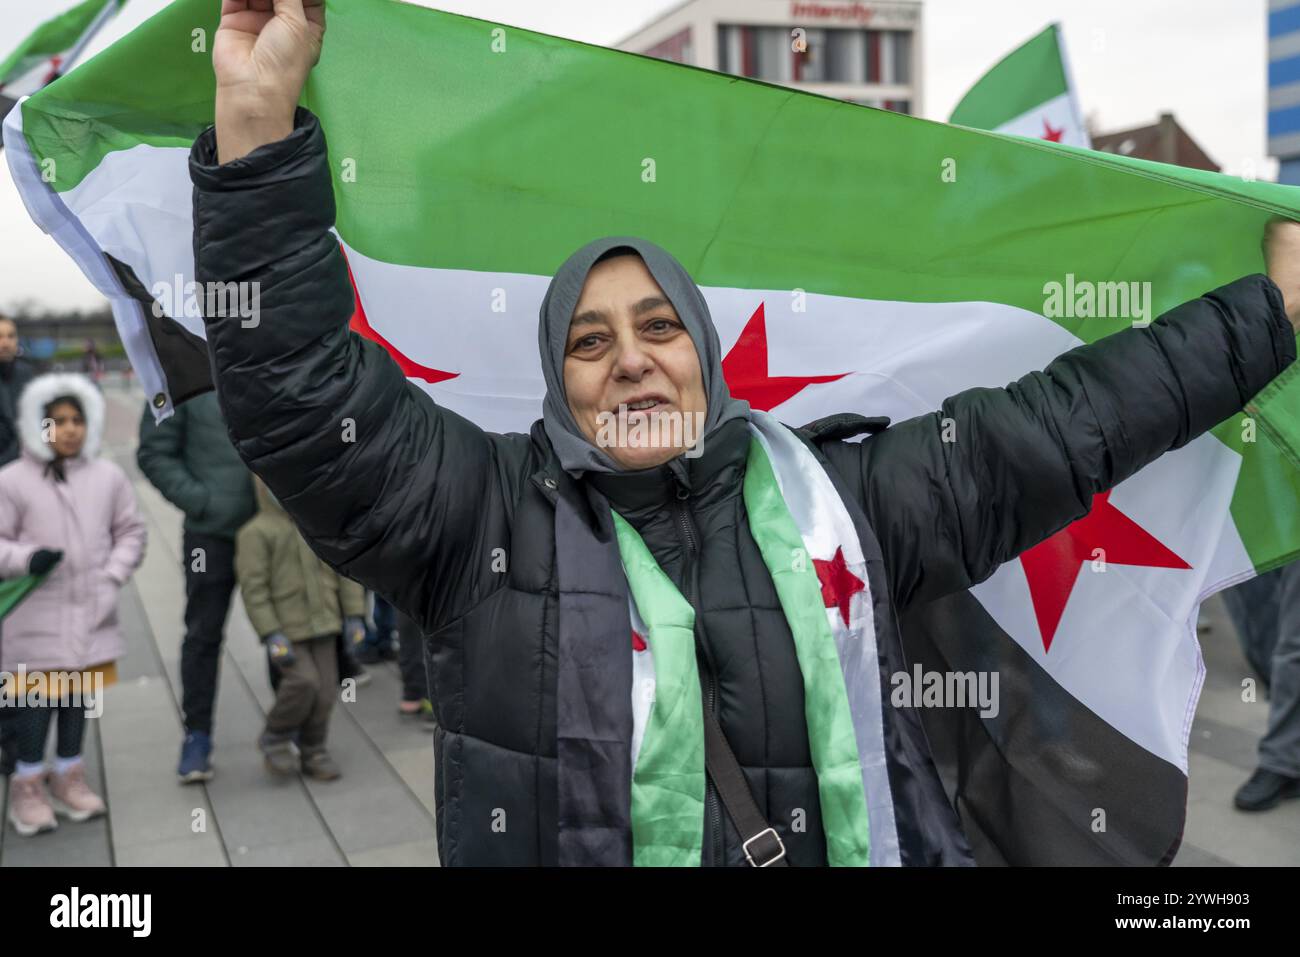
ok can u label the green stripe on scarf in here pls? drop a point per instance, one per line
(668, 781)
(826, 702)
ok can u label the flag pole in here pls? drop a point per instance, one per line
(1069, 85)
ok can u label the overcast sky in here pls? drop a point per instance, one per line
(1205, 60)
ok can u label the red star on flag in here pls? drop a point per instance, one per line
(55, 63)
(361, 326)
(638, 643)
(745, 369)
(1052, 566)
(839, 584)
(1051, 135)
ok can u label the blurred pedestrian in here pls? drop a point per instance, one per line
(15, 373)
(1266, 611)
(415, 702)
(65, 511)
(299, 607)
(91, 362)
(377, 644)
(189, 459)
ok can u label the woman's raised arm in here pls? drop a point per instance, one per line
(389, 489)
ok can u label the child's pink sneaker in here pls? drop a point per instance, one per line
(72, 796)
(29, 808)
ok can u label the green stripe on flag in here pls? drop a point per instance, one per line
(1025, 78)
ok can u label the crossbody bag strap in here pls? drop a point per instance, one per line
(762, 845)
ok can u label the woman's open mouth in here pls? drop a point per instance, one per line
(644, 404)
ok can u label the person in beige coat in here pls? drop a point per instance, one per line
(298, 606)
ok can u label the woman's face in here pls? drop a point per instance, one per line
(64, 429)
(631, 373)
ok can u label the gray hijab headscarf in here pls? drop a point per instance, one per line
(576, 453)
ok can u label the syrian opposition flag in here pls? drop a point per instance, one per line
(1029, 93)
(52, 48)
(853, 260)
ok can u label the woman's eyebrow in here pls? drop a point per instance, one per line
(589, 317)
(650, 303)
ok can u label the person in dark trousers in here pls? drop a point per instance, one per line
(190, 460)
(415, 701)
(1266, 611)
(378, 645)
(532, 664)
(67, 511)
(15, 373)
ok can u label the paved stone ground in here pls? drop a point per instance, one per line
(381, 811)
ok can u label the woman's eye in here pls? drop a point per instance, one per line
(586, 342)
(662, 325)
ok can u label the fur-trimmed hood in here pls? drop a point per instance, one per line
(44, 389)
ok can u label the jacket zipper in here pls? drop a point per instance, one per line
(712, 805)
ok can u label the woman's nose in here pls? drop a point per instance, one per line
(632, 362)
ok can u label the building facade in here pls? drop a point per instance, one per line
(867, 53)
(1284, 88)
(1164, 141)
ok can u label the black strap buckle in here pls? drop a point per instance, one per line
(779, 849)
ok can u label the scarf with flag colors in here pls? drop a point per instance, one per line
(800, 524)
(852, 259)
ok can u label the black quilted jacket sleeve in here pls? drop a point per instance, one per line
(1027, 459)
(363, 460)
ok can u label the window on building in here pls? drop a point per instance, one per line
(900, 42)
(832, 55)
(845, 56)
(773, 54)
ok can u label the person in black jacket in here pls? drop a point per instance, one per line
(189, 459)
(531, 748)
(15, 373)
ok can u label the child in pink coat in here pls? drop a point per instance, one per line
(68, 512)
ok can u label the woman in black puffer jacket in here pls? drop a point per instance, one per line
(530, 673)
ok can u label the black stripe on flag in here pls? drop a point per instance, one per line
(1029, 783)
(182, 355)
(6, 107)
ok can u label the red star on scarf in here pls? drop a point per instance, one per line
(1052, 566)
(1051, 135)
(745, 369)
(361, 326)
(839, 584)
